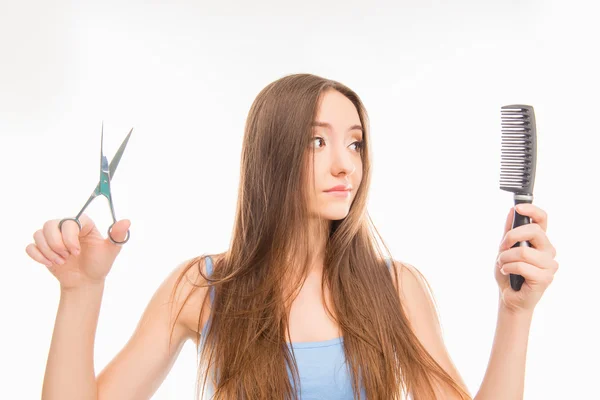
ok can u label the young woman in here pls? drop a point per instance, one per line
(304, 303)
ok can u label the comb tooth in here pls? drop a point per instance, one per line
(511, 154)
(512, 161)
(516, 166)
(519, 167)
(514, 149)
(515, 144)
(517, 185)
(515, 175)
(514, 183)
(509, 109)
(515, 161)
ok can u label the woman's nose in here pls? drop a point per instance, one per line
(342, 162)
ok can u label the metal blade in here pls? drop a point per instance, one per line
(115, 161)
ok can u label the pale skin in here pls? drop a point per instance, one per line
(135, 373)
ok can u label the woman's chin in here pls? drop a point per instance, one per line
(334, 213)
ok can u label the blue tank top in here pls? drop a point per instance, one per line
(322, 365)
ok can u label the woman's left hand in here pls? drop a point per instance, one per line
(536, 263)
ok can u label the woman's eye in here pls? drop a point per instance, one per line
(358, 144)
(316, 139)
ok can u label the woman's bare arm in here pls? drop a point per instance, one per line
(422, 315)
(505, 374)
(141, 366)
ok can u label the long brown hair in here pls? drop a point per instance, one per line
(245, 346)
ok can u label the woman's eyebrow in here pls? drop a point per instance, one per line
(328, 125)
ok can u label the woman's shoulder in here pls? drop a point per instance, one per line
(404, 271)
(189, 291)
(415, 292)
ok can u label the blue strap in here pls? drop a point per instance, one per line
(388, 261)
(209, 268)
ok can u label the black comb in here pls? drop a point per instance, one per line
(517, 172)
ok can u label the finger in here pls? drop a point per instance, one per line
(529, 255)
(536, 214)
(119, 230)
(87, 225)
(531, 273)
(54, 238)
(533, 233)
(44, 248)
(35, 253)
(70, 236)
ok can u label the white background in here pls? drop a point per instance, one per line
(433, 77)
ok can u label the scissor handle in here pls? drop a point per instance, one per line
(68, 219)
(109, 229)
(114, 241)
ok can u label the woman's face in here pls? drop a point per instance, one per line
(336, 142)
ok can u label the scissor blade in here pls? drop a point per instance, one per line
(115, 161)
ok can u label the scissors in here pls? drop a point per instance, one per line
(103, 188)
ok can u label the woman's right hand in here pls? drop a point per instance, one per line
(77, 258)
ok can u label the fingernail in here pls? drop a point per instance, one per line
(519, 207)
(76, 252)
(59, 261)
(502, 271)
(64, 254)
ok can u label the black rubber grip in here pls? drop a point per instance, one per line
(516, 281)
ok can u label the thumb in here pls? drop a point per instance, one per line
(119, 230)
(508, 224)
(509, 220)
